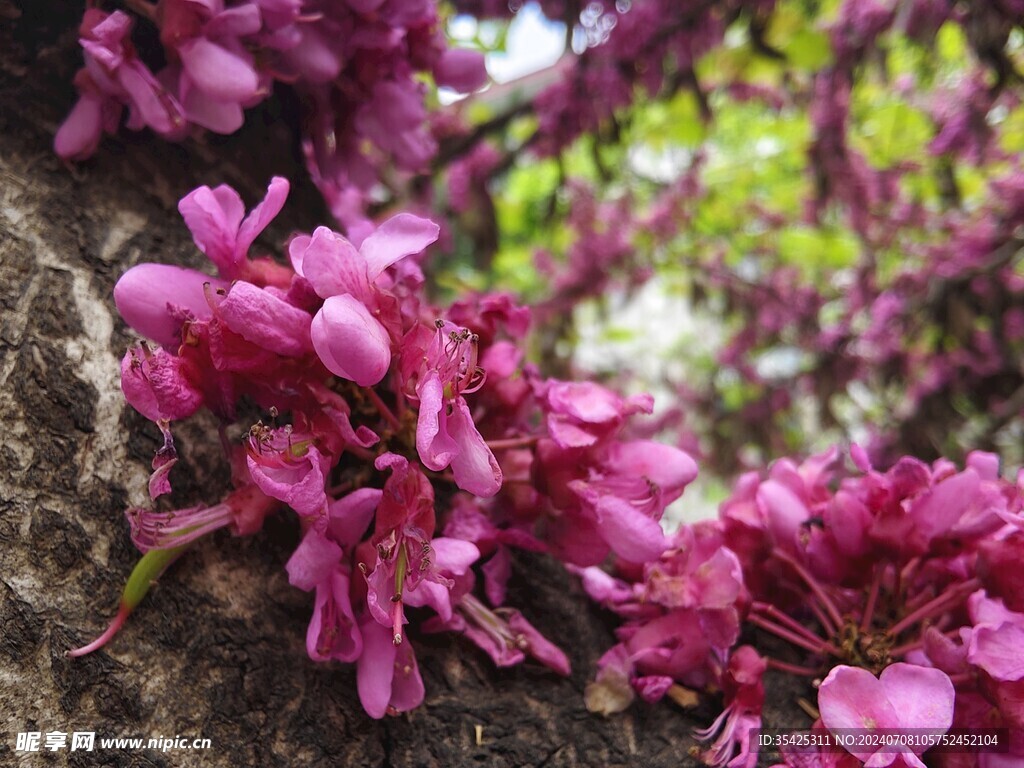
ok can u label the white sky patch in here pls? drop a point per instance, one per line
(534, 43)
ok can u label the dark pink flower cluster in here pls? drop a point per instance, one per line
(352, 64)
(888, 587)
(416, 451)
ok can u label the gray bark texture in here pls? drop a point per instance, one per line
(217, 649)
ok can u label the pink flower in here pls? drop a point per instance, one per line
(744, 698)
(114, 75)
(219, 226)
(904, 696)
(460, 69)
(580, 412)
(243, 511)
(158, 385)
(347, 332)
(387, 676)
(156, 300)
(445, 432)
(260, 317)
(290, 468)
(318, 564)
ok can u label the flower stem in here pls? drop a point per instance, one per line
(785, 619)
(793, 669)
(830, 629)
(780, 631)
(943, 602)
(869, 608)
(382, 407)
(512, 442)
(143, 576)
(816, 588)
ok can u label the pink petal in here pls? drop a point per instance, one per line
(461, 70)
(312, 561)
(921, 697)
(784, 512)
(299, 485)
(261, 215)
(235, 22)
(223, 117)
(350, 515)
(79, 135)
(497, 572)
(350, 342)
(454, 556)
(398, 237)
(154, 299)
(947, 502)
(213, 216)
(406, 685)
(267, 321)
(157, 386)
(154, 105)
(333, 265)
(999, 650)
(433, 443)
(333, 633)
(630, 533)
(375, 668)
(538, 646)
(668, 467)
(219, 72)
(474, 466)
(851, 697)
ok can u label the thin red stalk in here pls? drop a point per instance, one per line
(118, 621)
(779, 631)
(383, 408)
(363, 453)
(793, 669)
(901, 650)
(785, 619)
(816, 588)
(512, 442)
(825, 621)
(943, 602)
(869, 608)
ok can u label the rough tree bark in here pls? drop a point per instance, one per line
(217, 650)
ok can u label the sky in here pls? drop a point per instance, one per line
(533, 42)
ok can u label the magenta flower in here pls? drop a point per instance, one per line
(291, 468)
(580, 413)
(217, 75)
(220, 228)
(460, 69)
(158, 385)
(157, 299)
(319, 564)
(744, 697)
(114, 76)
(445, 432)
(347, 332)
(243, 511)
(904, 696)
(387, 676)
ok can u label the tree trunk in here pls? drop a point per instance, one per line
(218, 649)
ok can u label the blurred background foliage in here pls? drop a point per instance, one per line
(778, 240)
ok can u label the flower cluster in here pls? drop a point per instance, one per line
(886, 587)
(416, 451)
(352, 65)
